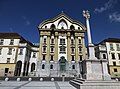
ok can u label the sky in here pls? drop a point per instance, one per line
(24, 16)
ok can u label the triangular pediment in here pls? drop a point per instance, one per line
(62, 21)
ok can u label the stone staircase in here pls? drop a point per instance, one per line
(87, 84)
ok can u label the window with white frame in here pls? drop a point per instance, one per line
(113, 55)
(52, 49)
(1, 41)
(10, 51)
(44, 41)
(52, 41)
(118, 47)
(62, 41)
(11, 41)
(72, 50)
(72, 41)
(8, 60)
(62, 49)
(111, 47)
(79, 41)
(44, 49)
(21, 51)
(34, 54)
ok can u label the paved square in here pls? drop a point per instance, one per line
(35, 85)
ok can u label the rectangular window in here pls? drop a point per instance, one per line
(52, 41)
(52, 49)
(104, 56)
(10, 51)
(0, 51)
(118, 47)
(44, 40)
(62, 41)
(72, 50)
(11, 41)
(80, 57)
(111, 47)
(43, 57)
(73, 58)
(34, 54)
(62, 49)
(72, 41)
(1, 41)
(8, 60)
(6, 70)
(115, 70)
(119, 56)
(80, 49)
(113, 56)
(114, 63)
(21, 51)
(44, 49)
(79, 41)
(51, 57)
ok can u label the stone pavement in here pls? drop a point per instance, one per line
(35, 85)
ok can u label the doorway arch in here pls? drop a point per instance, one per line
(18, 68)
(32, 67)
(62, 63)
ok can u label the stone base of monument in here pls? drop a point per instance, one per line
(95, 69)
(95, 84)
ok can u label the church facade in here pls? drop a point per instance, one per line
(62, 47)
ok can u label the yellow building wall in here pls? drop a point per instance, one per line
(112, 73)
(10, 71)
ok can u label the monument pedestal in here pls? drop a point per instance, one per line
(95, 69)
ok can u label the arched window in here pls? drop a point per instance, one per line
(62, 24)
(32, 67)
(43, 66)
(72, 27)
(18, 68)
(52, 26)
(73, 66)
(51, 66)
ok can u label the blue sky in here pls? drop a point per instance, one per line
(23, 16)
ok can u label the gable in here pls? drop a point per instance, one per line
(62, 21)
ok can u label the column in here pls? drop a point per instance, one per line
(83, 47)
(40, 49)
(68, 49)
(90, 44)
(56, 49)
(48, 49)
(76, 48)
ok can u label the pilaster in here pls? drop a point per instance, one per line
(56, 47)
(76, 48)
(68, 47)
(48, 49)
(40, 48)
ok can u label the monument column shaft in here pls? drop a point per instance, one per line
(88, 32)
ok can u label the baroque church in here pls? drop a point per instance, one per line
(62, 47)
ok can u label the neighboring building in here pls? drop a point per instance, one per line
(62, 47)
(110, 49)
(15, 55)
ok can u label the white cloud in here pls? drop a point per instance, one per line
(27, 22)
(106, 6)
(114, 17)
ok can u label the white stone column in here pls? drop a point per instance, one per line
(90, 44)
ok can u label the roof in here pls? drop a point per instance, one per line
(116, 40)
(14, 36)
(58, 17)
(10, 36)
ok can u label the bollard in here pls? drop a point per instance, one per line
(52, 79)
(30, 79)
(41, 79)
(63, 78)
(6, 79)
(18, 79)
